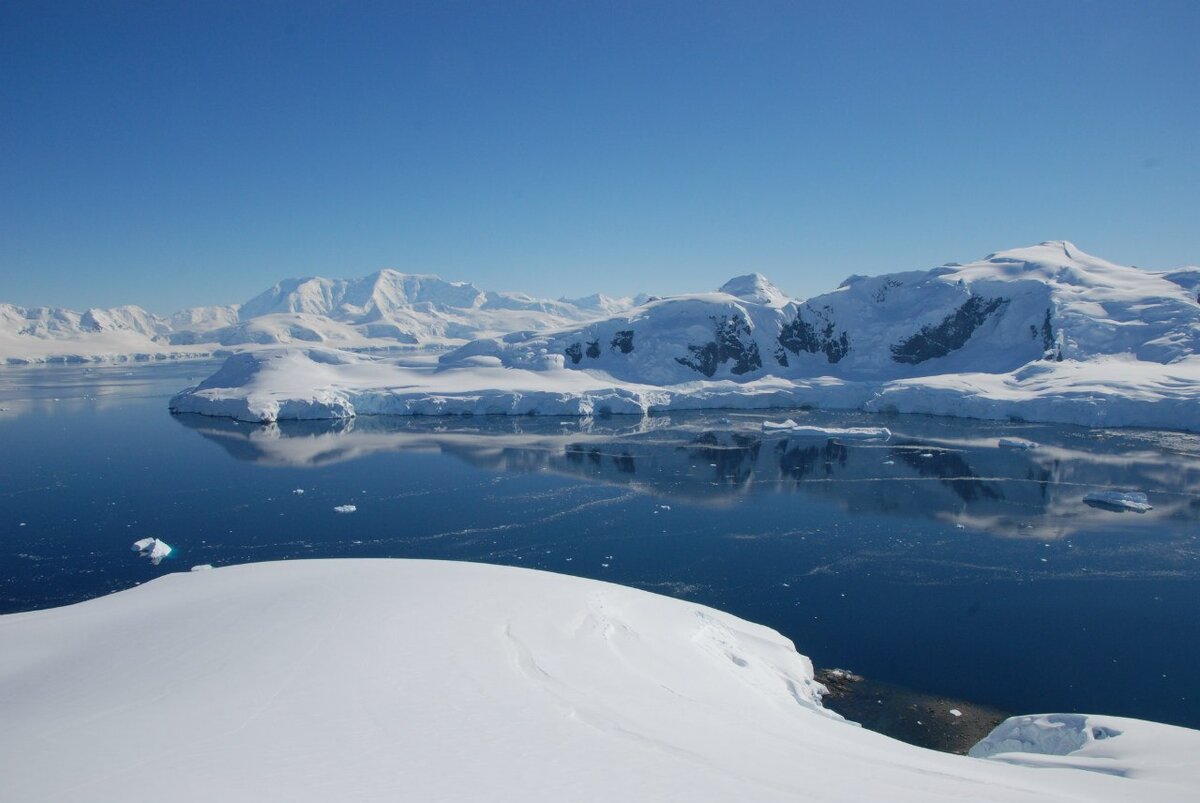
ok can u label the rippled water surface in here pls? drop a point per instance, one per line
(937, 560)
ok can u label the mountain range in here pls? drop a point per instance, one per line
(1041, 333)
(384, 310)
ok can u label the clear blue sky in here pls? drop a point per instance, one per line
(169, 153)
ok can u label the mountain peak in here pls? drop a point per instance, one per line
(754, 287)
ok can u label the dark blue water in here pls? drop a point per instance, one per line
(936, 561)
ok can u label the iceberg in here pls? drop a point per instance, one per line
(1017, 443)
(1116, 500)
(842, 433)
(152, 548)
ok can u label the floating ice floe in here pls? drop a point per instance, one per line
(1017, 443)
(298, 491)
(1116, 500)
(345, 509)
(203, 567)
(152, 548)
(843, 433)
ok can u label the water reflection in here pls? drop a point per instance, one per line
(946, 470)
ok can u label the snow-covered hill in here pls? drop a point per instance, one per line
(385, 310)
(1045, 333)
(423, 680)
(1047, 302)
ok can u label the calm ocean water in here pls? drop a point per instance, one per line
(937, 560)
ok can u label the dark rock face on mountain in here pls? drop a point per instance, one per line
(951, 334)
(812, 337)
(733, 342)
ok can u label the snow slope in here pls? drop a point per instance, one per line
(420, 680)
(1046, 333)
(385, 310)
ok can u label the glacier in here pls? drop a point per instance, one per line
(429, 680)
(1045, 333)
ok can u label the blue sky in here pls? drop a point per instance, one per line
(169, 153)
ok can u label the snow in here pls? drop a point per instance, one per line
(1046, 333)
(378, 679)
(386, 310)
(1135, 501)
(152, 548)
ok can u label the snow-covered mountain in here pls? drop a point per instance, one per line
(383, 310)
(1046, 302)
(1044, 333)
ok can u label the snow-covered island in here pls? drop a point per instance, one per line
(423, 680)
(1046, 333)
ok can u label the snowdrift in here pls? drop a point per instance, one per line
(385, 679)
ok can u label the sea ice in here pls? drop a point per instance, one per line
(842, 433)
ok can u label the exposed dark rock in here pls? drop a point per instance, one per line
(623, 341)
(593, 349)
(951, 334)
(575, 352)
(814, 338)
(906, 714)
(728, 346)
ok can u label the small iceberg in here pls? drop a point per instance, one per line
(202, 567)
(1017, 443)
(844, 433)
(345, 509)
(1118, 501)
(152, 548)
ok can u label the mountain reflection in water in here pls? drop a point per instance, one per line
(951, 471)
